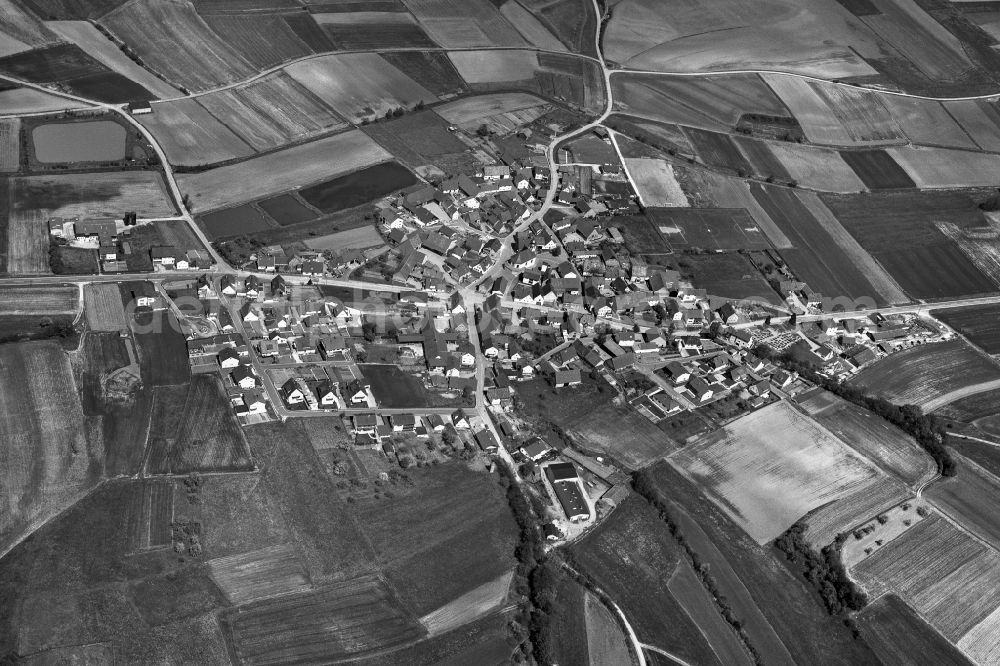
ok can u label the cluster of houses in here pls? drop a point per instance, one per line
(110, 239)
(377, 431)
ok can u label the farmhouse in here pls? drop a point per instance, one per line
(567, 378)
(536, 449)
(566, 484)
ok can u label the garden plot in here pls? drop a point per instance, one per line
(768, 469)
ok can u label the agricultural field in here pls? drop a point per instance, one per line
(900, 230)
(103, 307)
(470, 111)
(20, 30)
(930, 376)
(494, 66)
(877, 169)
(29, 100)
(351, 31)
(394, 388)
(193, 429)
(148, 515)
(259, 574)
(456, 24)
(901, 638)
(359, 86)
(430, 69)
(826, 523)
(235, 221)
(190, 135)
(468, 607)
(20, 300)
(655, 182)
(926, 122)
(771, 467)
(971, 498)
(947, 576)
(765, 164)
(263, 40)
(271, 112)
(606, 641)
(10, 145)
(361, 238)
(485, 641)
(92, 41)
(708, 228)
(103, 194)
(979, 324)
(944, 168)
(47, 461)
(729, 275)
(174, 41)
(532, 29)
(689, 591)
(977, 415)
(285, 209)
(591, 149)
(979, 120)
(717, 150)
(28, 243)
(422, 139)
(347, 618)
(162, 348)
(280, 171)
(358, 187)
(818, 169)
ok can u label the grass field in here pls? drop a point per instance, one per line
(685, 586)
(708, 228)
(190, 135)
(655, 183)
(162, 349)
(485, 641)
(103, 307)
(944, 168)
(980, 324)
(422, 138)
(10, 145)
(818, 169)
(48, 461)
(280, 171)
(717, 150)
(900, 638)
(58, 299)
(28, 243)
(971, 498)
(765, 483)
(394, 388)
(979, 414)
(606, 641)
(103, 194)
(494, 66)
(193, 429)
(358, 187)
(470, 111)
(361, 238)
(286, 209)
(359, 85)
(259, 574)
(464, 23)
(943, 573)
(930, 376)
(764, 163)
(730, 275)
(173, 40)
(237, 221)
(441, 535)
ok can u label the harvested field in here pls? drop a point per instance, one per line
(823, 256)
(29, 100)
(877, 169)
(942, 168)
(20, 30)
(708, 228)
(762, 159)
(47, 462)
(458, 24)
(979, 120)
(280, 171)
(10, 145)
(841, 516)
(148, 516)
(264, 40)
(59, 299)
(104, 194)
(730, 275)
(361, 238)
(930, 376)
(103, 306)
(926, 122)
(431, 69)
(699, 605)
(944, 574)
(470, 111)
(980, 324)
(259, 574)
(811, 109)
(817, 168)
(161, 347)
(95, 43)
(971, 498)
(370, 30)
(469, 607)
(359, 85)
(444, 533)
(348, 618)
(190, 135)
(193, 429)
(900, 638)
(173, 40)
(286, 209)
(892, 450)
(530, 27)
(272, 111)
(655, 183)
(717, 150)
(88, 141)
(860, 113)
(769, 468)
(236, 221)
(494, 66)
(980, 642)
(28, 243)
(609, 554)
(358, 187)
(712, 103)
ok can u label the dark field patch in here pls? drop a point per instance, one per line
(729, 275)
(375, 36)
(72, 260)
(641, 235)
(571, 21)
(70, 65)
(762, 159)
(162, 349)
(305, 28)
(717, 150)
(359, 187)
(816, 259)
(932, 271)
(860, 7)
(109, 87)
(708, 228)
(877, 170)
(287, 209)
(416, 138)
(900, 638)
(264, 40)
(235, 221)
(19, 328)
(432, 70)
(72, 9)
(980, 324)
(394, 388)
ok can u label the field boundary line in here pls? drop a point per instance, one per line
(44, 520)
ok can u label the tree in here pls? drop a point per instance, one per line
(483, 130)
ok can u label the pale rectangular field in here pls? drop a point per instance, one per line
(655, 182)
(464, 23)
(259, 574)
(191, 135)
(943, 168)
(94, 43)
(473, 109)
(104, 194)
(971, 498)
(351, 239)
(860, 113)
(28, 243)
(771, 467)
(173, 40)
(979, 121)
(982, 642)
(471, 606)
(606, 640)
(927, 122)
(530, 27)
(62, 299)
(494, 66)
(104, 308)
(29, 100)
(810, 109)
(272, 111)
(280, 171)
(817, 168)
(10, 144)
(359, 85)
